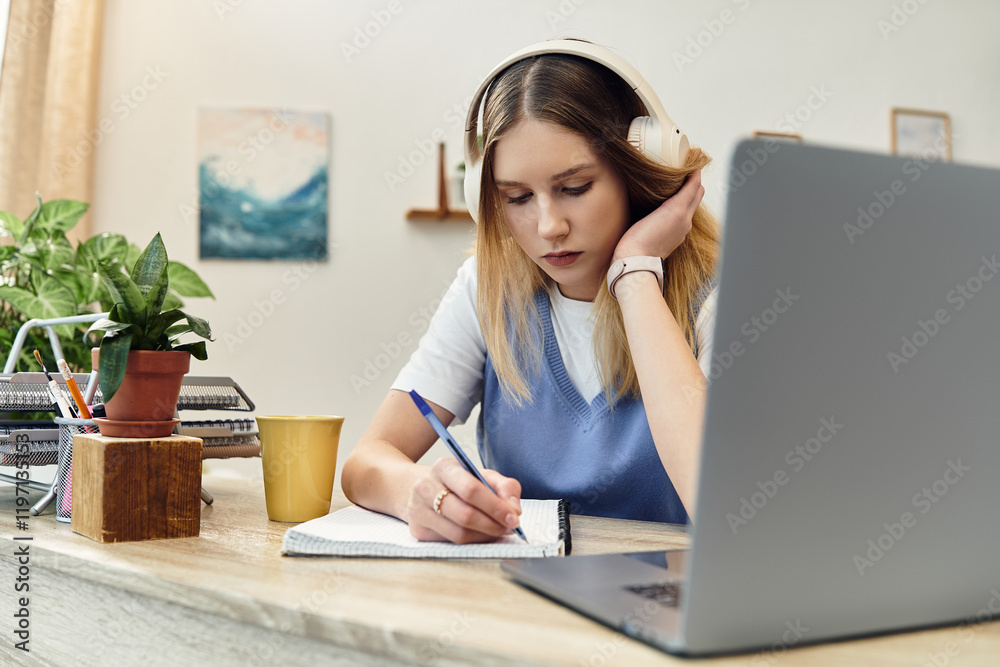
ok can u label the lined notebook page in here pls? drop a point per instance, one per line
(355, 531)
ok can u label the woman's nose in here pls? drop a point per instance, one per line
(552, 222)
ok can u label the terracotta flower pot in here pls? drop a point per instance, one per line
(151, 385)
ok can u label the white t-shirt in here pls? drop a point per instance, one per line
(447, 366)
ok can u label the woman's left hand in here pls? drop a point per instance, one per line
(663, 230)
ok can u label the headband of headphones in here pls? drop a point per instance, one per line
(655, 135)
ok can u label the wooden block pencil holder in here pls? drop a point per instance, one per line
(129, 489)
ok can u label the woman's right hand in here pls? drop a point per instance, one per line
(468, 512)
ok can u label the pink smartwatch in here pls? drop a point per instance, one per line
(627, 265)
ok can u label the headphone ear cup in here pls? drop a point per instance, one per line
(679, 146)
(644, 134)
(473, 178)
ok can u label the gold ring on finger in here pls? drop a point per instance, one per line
(438, 498)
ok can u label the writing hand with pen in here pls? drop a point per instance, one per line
(453, 501)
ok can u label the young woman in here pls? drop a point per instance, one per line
(588, 396)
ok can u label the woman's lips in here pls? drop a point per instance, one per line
(561, 259)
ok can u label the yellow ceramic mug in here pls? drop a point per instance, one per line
(299, 454)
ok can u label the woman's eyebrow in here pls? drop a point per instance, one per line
(560, 175)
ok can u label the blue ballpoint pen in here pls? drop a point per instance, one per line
(453, 447)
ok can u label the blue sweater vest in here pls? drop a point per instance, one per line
(601, 461)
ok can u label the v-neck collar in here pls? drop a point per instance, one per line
(586, 413)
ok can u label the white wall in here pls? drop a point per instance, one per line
(385, 273)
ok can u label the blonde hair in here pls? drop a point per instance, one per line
(586, 98)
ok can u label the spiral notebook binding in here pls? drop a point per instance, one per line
(225, 438)
(29, 392)
(564, 532)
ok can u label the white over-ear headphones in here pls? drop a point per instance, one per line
(655, 135)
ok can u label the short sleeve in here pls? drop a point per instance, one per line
(449, 363)
(704, 330)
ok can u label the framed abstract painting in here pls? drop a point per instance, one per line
(263, 184)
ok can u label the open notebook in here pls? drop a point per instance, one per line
(355, 531)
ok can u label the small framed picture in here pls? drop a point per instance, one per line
(921, 134)
(778, 136)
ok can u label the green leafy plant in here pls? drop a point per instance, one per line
(42, 275)
(139, 320)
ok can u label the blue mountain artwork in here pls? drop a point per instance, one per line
(236, 223)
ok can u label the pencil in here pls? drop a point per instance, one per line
(74, 389)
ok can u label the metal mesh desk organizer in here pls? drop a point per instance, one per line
(28, 392)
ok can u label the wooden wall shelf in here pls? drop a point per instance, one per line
(443, 212)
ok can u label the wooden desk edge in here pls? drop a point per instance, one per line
(67, 554)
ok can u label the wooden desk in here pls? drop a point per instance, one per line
(228, 598)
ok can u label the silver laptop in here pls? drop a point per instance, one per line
(850, 475)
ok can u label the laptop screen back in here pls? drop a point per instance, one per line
(848, 479)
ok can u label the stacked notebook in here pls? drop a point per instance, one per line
(355, 531)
